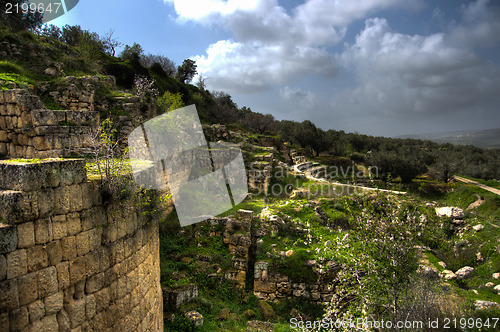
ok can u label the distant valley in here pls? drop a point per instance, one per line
(489, 138)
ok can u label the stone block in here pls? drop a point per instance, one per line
(43, 117)
(73, 172)
(27, 286)
(10, 96)
(94, 283)
(61, 200)
(9, 298)
(54, 252)
(95, 236)
(18, 319)
(3, 149)
(54, 303)
(47, 281)
(36, 310)
(21, 176)
(37, 258)
(90, 307)
(17, 206)
(73, 223)
(26, 235)
(17, 264)
(8, 238)
(68, 245)
(40, 143)
(82, 243)
(87, 190)
(63, 275)
(3, 267)
(76, 312)
(43, 231)
(46, 202)
(8, 123)
(63, 321)
(76, 199)
(102, 299)
(4, 136)
(246, 215)
(59, 227)
(34, 326)
(50, 323)
(93, 262)
(77, 270)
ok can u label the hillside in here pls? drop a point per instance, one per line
(337, 226)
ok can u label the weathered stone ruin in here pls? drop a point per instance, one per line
(69, 262)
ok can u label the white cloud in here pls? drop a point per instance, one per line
(233, 66)
(272, 46)
(435, 76)
(399, 77)
(203, 10)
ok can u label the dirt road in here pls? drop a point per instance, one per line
(480, 185)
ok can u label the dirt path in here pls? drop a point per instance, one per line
(310, 177)
(480, 185)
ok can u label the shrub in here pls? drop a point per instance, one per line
(169, 102)
(124, 74)
(294, 267)
(9, 67)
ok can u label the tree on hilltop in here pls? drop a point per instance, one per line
(167, 65)
(132, 53)
(186, 71)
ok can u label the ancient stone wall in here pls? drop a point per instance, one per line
(68, 262)
(270, 285)
(77, 93)
(28, 130)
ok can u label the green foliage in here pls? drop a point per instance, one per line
(295, 268)
(124, 74)
(186, 71)
(132, 53)
(169, 102)
(9, 67)
(180, 324)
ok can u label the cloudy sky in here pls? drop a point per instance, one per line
(379, 67)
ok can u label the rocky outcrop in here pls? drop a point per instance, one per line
(464, 272)
(450, 212)
(174, 298)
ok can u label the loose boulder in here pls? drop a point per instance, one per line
(267, 310)
(464, 272)
(450, 212)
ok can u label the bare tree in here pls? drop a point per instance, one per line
(165, 63)
(110, 44)
(200, 83)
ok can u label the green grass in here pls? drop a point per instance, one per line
(10, 67)
(18, 79)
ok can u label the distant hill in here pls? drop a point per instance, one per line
(489, 138)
